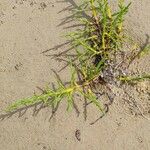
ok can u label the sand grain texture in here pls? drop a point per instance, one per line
(29, 27)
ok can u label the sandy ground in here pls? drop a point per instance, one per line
(29, 27)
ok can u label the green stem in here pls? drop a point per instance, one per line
(130, 78)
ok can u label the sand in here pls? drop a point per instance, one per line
(29, 27)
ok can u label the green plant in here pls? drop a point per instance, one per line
(97, 45)
(135, 79)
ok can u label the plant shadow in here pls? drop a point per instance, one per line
(36, 109)
(61, 56)
(38, 106)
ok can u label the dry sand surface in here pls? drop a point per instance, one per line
(29, 27)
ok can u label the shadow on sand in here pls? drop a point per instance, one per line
(61, 56)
